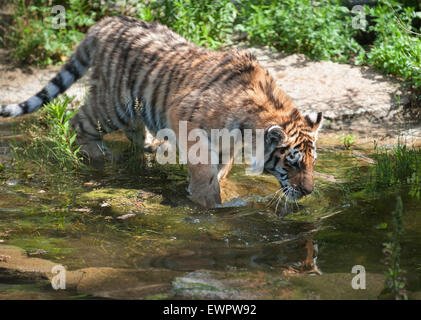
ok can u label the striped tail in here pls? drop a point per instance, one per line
(75, 68)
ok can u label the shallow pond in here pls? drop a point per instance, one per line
(136, 235)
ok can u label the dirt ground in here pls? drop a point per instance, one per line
(18, 84)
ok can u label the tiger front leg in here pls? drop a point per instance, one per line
(204, 185)
(92, 147)
(136, 132)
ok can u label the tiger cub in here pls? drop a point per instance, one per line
(141, 63)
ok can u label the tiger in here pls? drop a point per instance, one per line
(135, 63)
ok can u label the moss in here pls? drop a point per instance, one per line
(159, 296)
(109, 193)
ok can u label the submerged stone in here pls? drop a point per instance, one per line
(338, 286)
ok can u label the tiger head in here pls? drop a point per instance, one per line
(290, 154)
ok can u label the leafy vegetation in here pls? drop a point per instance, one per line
(34, 38)
(53, 143)
(396, 50)
(321, 29)
(395, 282)
(209, 23)
(347, 140)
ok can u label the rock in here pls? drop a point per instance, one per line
(120, 283)
(4, 258)
(20, 266)
(126, 216)
(203, 284)
(38, 252)
(12, 183)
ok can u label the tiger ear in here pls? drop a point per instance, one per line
(274, 136)
(314, 121)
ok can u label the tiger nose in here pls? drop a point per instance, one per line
(307, 188)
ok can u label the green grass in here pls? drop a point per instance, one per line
(52, 142)
(321, 29)
(397, 169)
(347, 140)
(401, 166)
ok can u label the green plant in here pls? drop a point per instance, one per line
(400, 166)
(395, 282)
(53, 140)
(34, 38)
(207, 22)
(396, 50)
(60, 130)
(347, 140)
(321, 30)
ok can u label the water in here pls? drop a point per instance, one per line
(74, 218)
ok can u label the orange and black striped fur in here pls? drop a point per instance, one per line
(143, 74)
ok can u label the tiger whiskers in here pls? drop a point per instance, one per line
(287, 192)
(279, 195)
(276, 198)
(279, 200)
(275, 194)
(296, 203)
